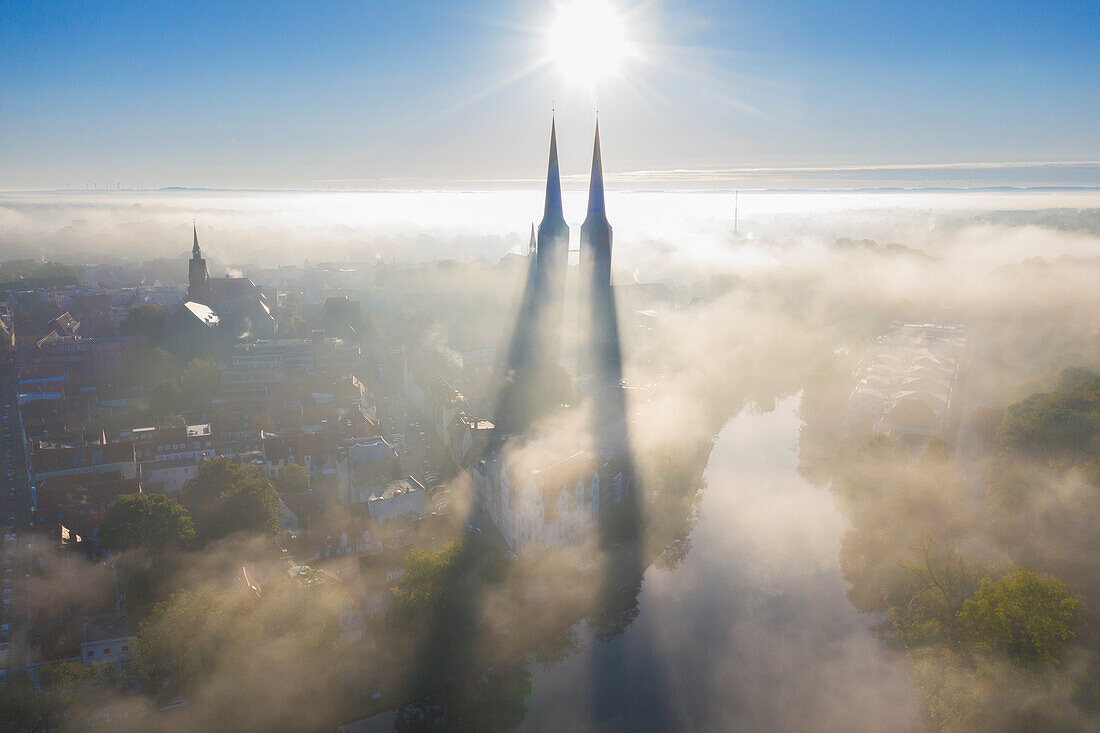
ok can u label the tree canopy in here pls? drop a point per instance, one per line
(147, 521)
(165, 398)
(213, 478)
(145, 319)
(292, 479)
(150, 366)
(249, 505)
(1054, 423)
(431, 588)
(179, 639)
(200, 381)
(226, 497)
(215, 644)
(1025, 615)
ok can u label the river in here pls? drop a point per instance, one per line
(752, 631)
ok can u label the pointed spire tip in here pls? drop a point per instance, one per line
(553, 207)
(595, 185)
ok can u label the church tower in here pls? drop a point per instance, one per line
(596, 238)
(551, 260)
(198, 278)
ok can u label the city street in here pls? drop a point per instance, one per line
(15, 567)
(407, 430)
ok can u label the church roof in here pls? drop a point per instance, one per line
(204, 313)
(233, 288)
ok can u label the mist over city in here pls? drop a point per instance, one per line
(585, 366)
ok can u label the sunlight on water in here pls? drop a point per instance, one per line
(751, 630)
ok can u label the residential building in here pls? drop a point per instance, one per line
(94, 357)
(371, 462)
(172, 442)
(400, 498)
(259, 368)
(53, 459)
(167, 476)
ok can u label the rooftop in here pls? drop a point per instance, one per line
(391, 489)
(204, 313)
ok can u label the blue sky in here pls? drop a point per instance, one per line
(417, 94)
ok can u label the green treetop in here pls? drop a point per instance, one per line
(147, 521)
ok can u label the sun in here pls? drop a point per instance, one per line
(588, 40)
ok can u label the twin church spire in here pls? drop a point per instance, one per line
(552, 255)
(537, 339)
(553, 205)
(553, 215)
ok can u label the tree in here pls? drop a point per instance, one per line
(147, 521)
(25, 707)
(200, 382)
(292, 327)
(213, 479)
(1051, 424)
(289, 318)
(1025, 615)
(491, 700)
(267, 421)
(180, 638)
(210, 643)
(22, 321)
(942, 581)
(150, 366)
(7, 353)
(146, 319)
(250, 505)
(984, 422)
(292, 479)
(435, 586)
(165, 398)
(63, 694)
(368, 329)
(226, 497)
(69, 680)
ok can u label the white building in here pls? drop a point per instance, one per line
(116, 649)
(404, 497)
(258, 367)
(370, 462)
(168, 476)
(906, 387)
(555, 505)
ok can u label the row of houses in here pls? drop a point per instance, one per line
(78, 478)
(260, 369)
(906, 386)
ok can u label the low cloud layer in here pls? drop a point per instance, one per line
(750, 625)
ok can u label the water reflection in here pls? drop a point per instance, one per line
(751, 631)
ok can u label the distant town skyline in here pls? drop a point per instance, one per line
(459, 96)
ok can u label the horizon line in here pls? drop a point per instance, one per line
(990, 188)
